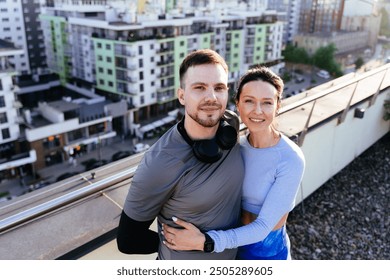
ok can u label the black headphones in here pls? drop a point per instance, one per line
(210, 150)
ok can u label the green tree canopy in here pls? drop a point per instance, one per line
(324, 58)
(385, 23)
(359, 62)
(296, 55)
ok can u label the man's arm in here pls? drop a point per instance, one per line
(135, 237)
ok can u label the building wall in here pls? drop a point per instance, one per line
(12, 29)
(9, 108)
(344, 42)
(328, 148)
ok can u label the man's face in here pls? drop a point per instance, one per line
(204, 93)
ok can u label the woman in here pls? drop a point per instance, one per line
(274, 167)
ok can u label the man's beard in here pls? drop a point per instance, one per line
(205, 122)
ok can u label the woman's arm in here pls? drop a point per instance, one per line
(278, 203)
(191, 238)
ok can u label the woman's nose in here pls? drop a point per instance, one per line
(258, 109)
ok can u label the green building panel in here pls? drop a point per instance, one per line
(259, 46)
(236, 49)
(170, 5)
(205, 40)
(58, 45)
(181, 50)
(105, 64)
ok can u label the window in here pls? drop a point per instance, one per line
(141, 88)
(109, 59)
(3, 118)
(140, 50)
(101, 70)
(109, 71)
(5, 133)
(141, 75)
(110, 84)
(2, 101)
(51, 142)
(140, 63)
(100, 58)
(108, 47)
(99, 45)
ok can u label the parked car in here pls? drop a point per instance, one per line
(140, 147)
(323, 74)
(121, 154)
(95, 164)
(65, 176)
(299, 79)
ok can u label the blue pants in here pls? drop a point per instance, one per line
(276, 246)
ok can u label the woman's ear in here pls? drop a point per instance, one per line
(180, 96)
(238, 109)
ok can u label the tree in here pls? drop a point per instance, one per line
(295, 54)
(359, 63)
(385, 24)
(324, 58)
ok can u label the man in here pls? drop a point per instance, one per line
(193, 172)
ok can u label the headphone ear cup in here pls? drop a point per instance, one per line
(226, 136)
(207, 151)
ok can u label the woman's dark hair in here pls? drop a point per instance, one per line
(260, 73)
(200, 57)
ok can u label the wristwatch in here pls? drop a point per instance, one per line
(208, 244)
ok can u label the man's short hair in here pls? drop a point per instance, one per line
(200, 57)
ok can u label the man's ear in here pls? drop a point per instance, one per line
(180, 96)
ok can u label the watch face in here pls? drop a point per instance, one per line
(209, 247)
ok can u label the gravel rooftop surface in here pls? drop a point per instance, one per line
(347, 218)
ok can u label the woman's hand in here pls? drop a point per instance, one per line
(186, 239)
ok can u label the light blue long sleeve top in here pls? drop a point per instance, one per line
(271, 182)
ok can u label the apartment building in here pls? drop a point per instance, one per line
(288, 12)
(19, 23)
(15, 154)
(320, 15)
(132, 50)
(61, 129)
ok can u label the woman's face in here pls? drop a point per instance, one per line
(258, 105)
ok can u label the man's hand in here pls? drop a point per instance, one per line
(186, 239)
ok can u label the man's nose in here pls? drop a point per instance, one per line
(210, 94)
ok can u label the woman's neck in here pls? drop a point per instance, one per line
(264, 139)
